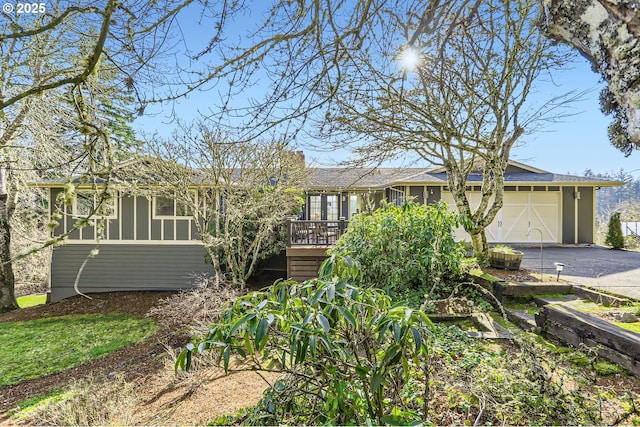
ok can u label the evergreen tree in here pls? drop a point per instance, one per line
(615, 239)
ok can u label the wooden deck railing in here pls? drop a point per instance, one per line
(316, 233)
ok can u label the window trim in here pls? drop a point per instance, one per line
(175, 206)
(113, 201)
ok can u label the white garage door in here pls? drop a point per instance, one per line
(520, 213)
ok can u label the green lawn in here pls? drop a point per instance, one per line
(45, 346)
(31, 300)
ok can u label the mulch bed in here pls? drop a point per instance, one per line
(521, 275)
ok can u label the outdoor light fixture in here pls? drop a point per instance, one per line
(559, 267)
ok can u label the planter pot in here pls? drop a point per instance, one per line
(509, 261)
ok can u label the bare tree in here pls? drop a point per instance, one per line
(463, 106)
(607, 33)
(53, 100)
(241, 194)
(305, 47)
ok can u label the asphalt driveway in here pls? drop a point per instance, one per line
(594, 266)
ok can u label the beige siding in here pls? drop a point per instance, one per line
(521, 212)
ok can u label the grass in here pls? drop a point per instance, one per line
(632, 327)
(529, 307)
(586, 306)
(26, 406)
(45, 346)
(31, 300)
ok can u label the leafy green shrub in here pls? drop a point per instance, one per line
(632, 242)
(615, 239)
(347, 353)
(407, 250)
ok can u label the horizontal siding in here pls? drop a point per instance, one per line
(126, 268)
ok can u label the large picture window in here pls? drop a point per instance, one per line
(86, 201)
(168, 207)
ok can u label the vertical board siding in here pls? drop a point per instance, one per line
(89, 232)
(182, 229)
(168, 225)
(568, 215)
(585, 215)
(156, 232)
(127, 218)
(142, 218)
(126, 268)
(194, 230)
(114, 229)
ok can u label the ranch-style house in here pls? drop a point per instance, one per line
(151, 242)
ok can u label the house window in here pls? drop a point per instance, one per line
(315, 208)
(86, 201)
(169, 207)
(361, 202)
(354, 206)
(323, 207)
(332, 207)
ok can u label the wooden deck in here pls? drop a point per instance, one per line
(308, 244)
(315, 233)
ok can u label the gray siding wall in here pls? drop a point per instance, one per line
(134, 222)
(128, 218)
(114, 229)
(143, 206)
(568, 216)
(126, 268)
(585, 215)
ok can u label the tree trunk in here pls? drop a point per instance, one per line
(7, 291)
(479, 242)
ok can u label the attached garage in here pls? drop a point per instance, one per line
(521, 212)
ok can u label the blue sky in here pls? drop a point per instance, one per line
(581, 141)
(577, 143)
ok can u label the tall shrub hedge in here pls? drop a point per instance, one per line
(408, 250)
